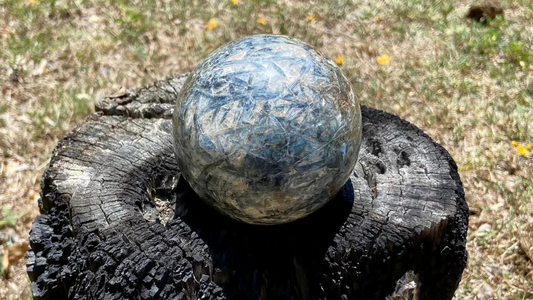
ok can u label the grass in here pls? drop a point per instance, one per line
(468, 85)
(8, 219)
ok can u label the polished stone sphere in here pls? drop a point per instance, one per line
(266, 129)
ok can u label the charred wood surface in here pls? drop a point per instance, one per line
(118, 221)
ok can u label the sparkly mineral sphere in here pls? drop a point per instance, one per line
(266, 129)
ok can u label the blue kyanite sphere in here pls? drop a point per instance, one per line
(266, 129)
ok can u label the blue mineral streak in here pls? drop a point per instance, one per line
(266, 129)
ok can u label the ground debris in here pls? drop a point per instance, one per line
(487, 10)
(525, 234)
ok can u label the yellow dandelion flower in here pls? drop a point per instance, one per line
(33, 1)
(522, 64)
(310, 18)
(235, 2)
(261, 21)
(339, 60)
(383, 59)
(212, 24)
(514, 144)
(522, 150)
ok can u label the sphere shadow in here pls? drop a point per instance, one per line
(265, 262)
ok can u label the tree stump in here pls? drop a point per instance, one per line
(118, 221)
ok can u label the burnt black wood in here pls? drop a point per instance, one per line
(118, 221)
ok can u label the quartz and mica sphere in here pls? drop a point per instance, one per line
(266, 129)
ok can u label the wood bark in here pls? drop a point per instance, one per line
(118, 221)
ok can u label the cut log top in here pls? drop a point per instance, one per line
(118, 221)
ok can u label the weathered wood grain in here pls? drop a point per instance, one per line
(118, 221)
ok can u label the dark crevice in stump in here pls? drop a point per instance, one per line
(118, 221)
